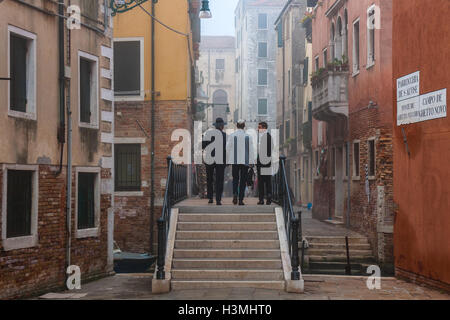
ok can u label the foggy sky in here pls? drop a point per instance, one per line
(222, 22)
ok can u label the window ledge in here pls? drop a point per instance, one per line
(356, 178)
(355, 73)
(87, 233)
(128, 98)
(371, 178)
(20, 243)
(88, 126)
(129, 193)
(370, 64)
(22, 115)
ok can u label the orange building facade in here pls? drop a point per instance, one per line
(422, 149)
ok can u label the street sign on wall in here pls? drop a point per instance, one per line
(433, 105)
(408, 86)
(413, 107)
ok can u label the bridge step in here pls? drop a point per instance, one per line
(226, 253)
(210, 284)
(227, 235)
(193, 217)
(255, 264)
(227, 247)
(227, 226)
(227, 244)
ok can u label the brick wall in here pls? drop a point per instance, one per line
(366, 215)
(41, 268)
(132, 213)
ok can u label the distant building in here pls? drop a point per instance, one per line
(216, 67)
(422, 149)
(352, 103)
(256, 49)
(294, 118)
(137, 208)
(52, 69)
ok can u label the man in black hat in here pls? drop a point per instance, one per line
(218, 165)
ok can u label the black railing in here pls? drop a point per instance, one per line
(176, 191)
(282, 196)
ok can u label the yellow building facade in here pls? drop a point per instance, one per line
(143, 127)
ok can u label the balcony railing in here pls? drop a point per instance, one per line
(330, 93)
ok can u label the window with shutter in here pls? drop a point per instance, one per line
(262, 49)
(262, 21)
(372, 164)
(305, 70)
(18, 67)
(86, 200)
(127, 68)
(262, 107)
(128, 167)
(262, 77)
(19, 203)
(220, 64)
(85, 90)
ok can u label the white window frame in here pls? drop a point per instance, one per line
(140, 97)
(92, 232)
(356, 68)
(267, 78)
(370, 50)
(25, 241)
(374, 139)
(95, 102)
(267, 21)
(355, 177)
(31, 113)
(316, 63)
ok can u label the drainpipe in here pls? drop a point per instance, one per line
(152, 146)
(69, 161)
(62, 125)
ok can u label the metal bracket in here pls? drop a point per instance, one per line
(405, 140)
(120, 6)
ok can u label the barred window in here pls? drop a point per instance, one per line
(128, 167)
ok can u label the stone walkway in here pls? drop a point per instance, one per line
(316, 288)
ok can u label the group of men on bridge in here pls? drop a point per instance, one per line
(238, 151)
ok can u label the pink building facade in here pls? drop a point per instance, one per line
(352, 110)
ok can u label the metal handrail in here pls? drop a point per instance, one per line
(282, 196)
(176, 191)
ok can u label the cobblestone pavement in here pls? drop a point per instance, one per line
(316, 288)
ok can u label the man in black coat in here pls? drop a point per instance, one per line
(218, 166)
(264, 178)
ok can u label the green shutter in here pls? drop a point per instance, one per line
(86, 200)
(19, 195)
(18, 67)
(85, 91)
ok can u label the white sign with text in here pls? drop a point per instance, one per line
(408, 111)
(433, 105)
(408, 86)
